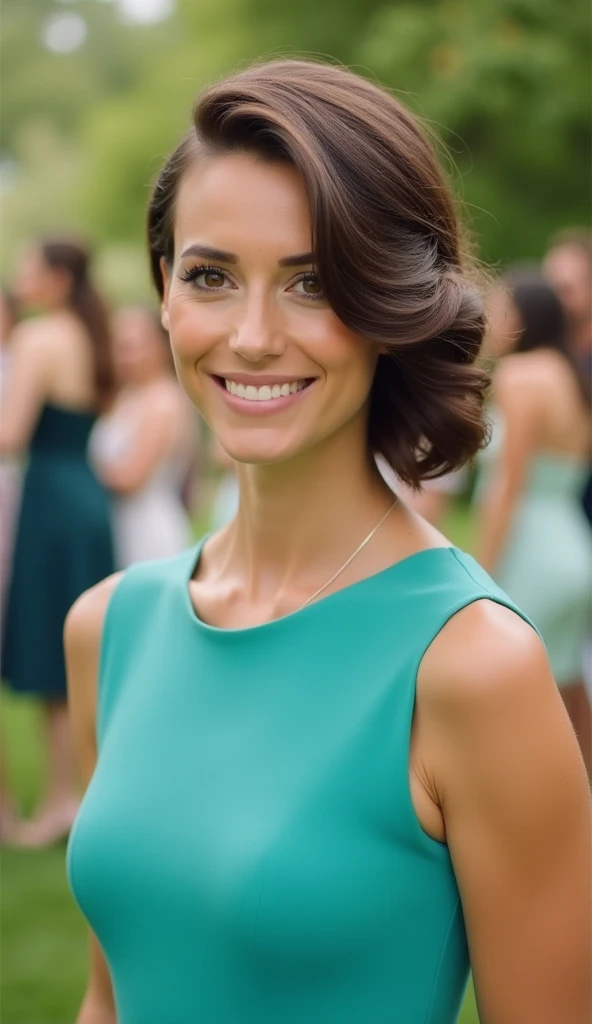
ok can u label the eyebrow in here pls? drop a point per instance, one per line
(205, 252)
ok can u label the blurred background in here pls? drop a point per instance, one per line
(96, 92)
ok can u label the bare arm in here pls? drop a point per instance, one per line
(149, 444)
(517, 404)
(27, 388)
(514, 794)
(82, 640)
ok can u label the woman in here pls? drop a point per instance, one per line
(142, 448)
(314, 837)
(60, 376)
(534, 537)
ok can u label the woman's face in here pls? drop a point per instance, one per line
(139, 350)
(568, 270)
(504, 325)
(36, 284)
(257, 347)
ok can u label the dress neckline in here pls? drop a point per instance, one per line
(400, 567)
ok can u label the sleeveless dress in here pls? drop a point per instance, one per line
(63, 546)
(247, 851)
(546, 564)
(152, 522)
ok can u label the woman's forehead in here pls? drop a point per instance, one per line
(240, 204)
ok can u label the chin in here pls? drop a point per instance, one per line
(264, 453)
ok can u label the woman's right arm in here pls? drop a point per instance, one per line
(82, 642)
(519, 404)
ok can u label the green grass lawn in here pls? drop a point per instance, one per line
(42, 934)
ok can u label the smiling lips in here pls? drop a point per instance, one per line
(274, 392)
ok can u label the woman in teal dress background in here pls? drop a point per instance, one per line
(328, 765)
(61, 376)
(533, 533)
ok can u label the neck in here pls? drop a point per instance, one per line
(304, 516)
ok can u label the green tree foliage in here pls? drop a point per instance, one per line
(504, 83)
(507, 82)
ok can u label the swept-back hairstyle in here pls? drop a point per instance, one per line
(386, 240)
(87, 304)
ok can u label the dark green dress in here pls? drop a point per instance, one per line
(63, 546)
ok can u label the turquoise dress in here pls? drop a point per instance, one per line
(63, 546)
(247, 851)
(546, 563)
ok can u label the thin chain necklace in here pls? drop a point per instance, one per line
(360, 548)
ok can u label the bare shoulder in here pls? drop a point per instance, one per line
(485, 654)
(45, 338)
(83, 628)
(542, 369)
(507, 775)
(35, 336)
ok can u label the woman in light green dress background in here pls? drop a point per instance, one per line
(533, 535)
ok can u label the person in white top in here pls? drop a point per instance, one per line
(143, 447)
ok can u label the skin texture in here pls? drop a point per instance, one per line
(515, 813)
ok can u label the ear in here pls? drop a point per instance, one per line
(166, 286)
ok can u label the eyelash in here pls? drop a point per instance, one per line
(192, 273)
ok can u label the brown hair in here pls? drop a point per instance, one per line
(86, 303)
(386, 240)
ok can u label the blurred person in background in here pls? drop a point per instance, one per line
(532, 533)
(143, 446)
(328, 756)
(10, 471)
(10, 475)
(568, 267)
(60, 378)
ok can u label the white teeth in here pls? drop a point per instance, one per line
(263, 394)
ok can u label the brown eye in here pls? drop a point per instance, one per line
(309, 285)
(208, 279)
(213, 279)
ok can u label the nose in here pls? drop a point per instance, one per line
(257, 332)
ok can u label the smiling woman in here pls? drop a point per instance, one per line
(351, 737)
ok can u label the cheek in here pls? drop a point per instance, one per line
(191, 331)
(349, 361)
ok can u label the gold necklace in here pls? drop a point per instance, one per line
(361, 547)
